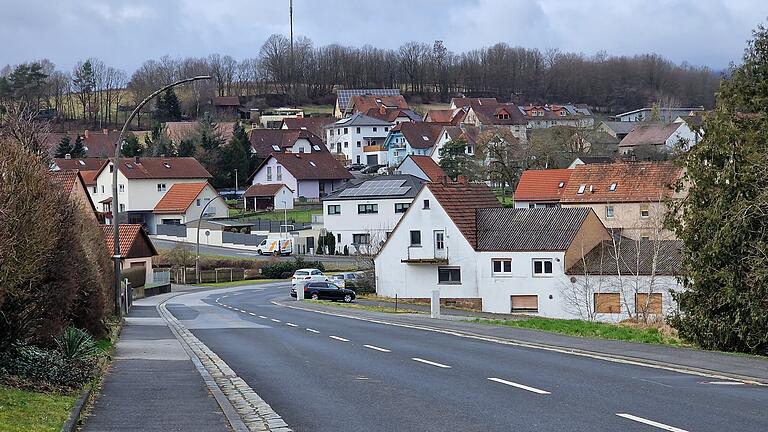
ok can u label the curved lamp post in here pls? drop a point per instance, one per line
(115, 164)
(199, 220)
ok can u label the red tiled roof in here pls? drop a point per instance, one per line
(309, 166)
(635, 182)
(226, 101)
(312, 124)
(65, 179)
(97, 143)
(162, 168)
(181, 130)
(179, 197)
(542, 185)
(461, 200)
(82, 164)
(263, 190)
(89, 177)
(263, 140)
(429, 166)
(452, 116)
(363, 103)
(129, 235)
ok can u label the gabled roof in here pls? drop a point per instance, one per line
(392, 114)
(308, 166)
(466, 102)
(461, 200)
(264, 190)
(541, 229)
(80, 164)
(343, 95)
(488, 114)
(179, 197)
(97, 144)
(630, 257)
(363, 103)
(134, 241)
(226, 101)
(452, 116)
(542, 185)
(621, 127)
(263, 141)
(89, 177)
(181, 130)
(650, 134)
(635, 182)
(420, 135)
(65, 179)
(380, 187)
(359, 119)
(427, 165)
(161, 168)
(468, 133)
(312, 124)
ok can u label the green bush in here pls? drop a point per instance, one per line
(77, 345)
(137, 276)
(46, 369)
(285, 269)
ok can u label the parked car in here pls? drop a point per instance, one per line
(346, 280)
(302, 276)
(372, 169)
(355, 167)
(325, 291)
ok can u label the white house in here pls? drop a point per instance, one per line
(661, 137)
(665, 114)
(467, 133)
(264, 142)
(275, 196)
(411, 139)
(185, 202)
(349, 136)
(142, 183)
(362, 215)
(309, 175)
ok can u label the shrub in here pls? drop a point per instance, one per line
(285, 269)
(137, 276)
(44, 369)
(76, 345)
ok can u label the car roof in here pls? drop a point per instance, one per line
(307, 269)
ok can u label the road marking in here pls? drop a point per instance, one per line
(339, 338)
(262, 316)
(724, 382)
(520, 386)
(276, 320)
(651, 423)
(251, 313)
(312, 330)
(291, 324)
(440, 365)
(377, 348)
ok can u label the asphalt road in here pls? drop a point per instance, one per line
(239, 253)
(327, 373)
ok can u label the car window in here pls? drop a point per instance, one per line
(315, 272)
(301, 273)
(316, 285)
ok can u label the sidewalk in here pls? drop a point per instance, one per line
(152, 384)
(741, 367)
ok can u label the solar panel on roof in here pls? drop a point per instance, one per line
(345, 95)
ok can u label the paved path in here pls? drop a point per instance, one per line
(327, 373)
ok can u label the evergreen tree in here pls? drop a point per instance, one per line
(723, 221)
(65, 147)
(455, 161)
(158, 142)
(187, 148)
(236, 155)
(78, 150)
(208, 135)
(168, 107)
(131, 146)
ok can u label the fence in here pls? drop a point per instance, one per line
(161, 277)
(241, 238)
(172, 230)
(189, 276)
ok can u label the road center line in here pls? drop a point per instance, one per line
(339, 338)
(251, 313)
(651, 423)
(276, 320)
(262, 316)
(440, 365)
(520, 386)
(312, 330)
(291, 324)
(377, 348)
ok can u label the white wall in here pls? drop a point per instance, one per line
(349, 222)
(349, 141)
(287, 178)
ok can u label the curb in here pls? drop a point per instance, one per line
(553, 348)
(245, 410)
(77, 411)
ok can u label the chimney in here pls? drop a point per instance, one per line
(85, 134)
(136, 160)
(105, 131)
(67, 156)
(382, 109)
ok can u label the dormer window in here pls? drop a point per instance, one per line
(316, 147)
(612, 188)
(275, 147)
(129, 165)
(561, 185)
(581, 190)
(312, 163)
(167, 165)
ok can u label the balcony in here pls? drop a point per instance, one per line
(428, 256)
(373, 148)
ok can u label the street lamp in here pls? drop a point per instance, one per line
(115, 166)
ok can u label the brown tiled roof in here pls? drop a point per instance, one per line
(649, 134)
(179, 197)
(181, 130)
(226, 101)
(312, 124)
(262, 140)
(162, 168)
(263, 190)
(391, 114)
(517, 229)
(420, 135)
(465, 102)
(461, 201)
(542, 185)
(83, 164)
(452, 116)
(89, 177)
(635, 182)
(65, 179)
(487, 114)
(97, 144)
(624, 256)
(363, 103)
(468, 133)
(134, 241)
(309, 166)
(429, 166)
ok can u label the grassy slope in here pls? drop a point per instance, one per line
(22, 411)
(277, 215)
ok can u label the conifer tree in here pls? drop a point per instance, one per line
(65, 147)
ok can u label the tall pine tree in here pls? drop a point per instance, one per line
(158, 142)
(78, 149)
(168, 107)
(131, 146)
(236, 157)
(64, 148)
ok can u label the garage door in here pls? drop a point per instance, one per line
(525, 303)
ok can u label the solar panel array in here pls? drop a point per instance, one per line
(345, 95)
(377, 188)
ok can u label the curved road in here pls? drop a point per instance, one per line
(328, 373)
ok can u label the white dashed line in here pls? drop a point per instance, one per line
(377, 348)
(291, 324)
(276, 320)
(339, 338)
(651, 423)
(251, 314)
(440, 365)
(262, 316)
(520, 386)
(312, 330)
(724, 382)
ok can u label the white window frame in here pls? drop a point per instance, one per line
(610, 212)
(269, 173)
(543, 273)
(121, 188)
(502, 272)
(162, 187)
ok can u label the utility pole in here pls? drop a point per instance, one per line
(236, 188)
(290, 84)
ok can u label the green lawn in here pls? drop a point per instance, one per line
(317, 109)
(589, 329)
(277, 215)
(363, 307)
(239, 283)
(23, 411)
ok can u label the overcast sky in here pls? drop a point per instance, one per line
(125, 33)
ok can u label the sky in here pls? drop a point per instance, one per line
(126, 33)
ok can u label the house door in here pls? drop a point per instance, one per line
(440, 244)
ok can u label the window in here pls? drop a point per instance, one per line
(426, 204)
(358, 130)
(448, 275)
(111, 168)
(501, 267)
(401, 207)
(198, 202)
(330, 132)
(645, 210)
(346, 144)
(102, 188)
(581, 189)
(121, 188)
(607, 303)
(386, 129)
(357, 159)
(280, 169)
(612, 187)
(122, 208)
(415, 238)
(609, 212)
(161, 187)
(361, 239)
(531, 205)
(269, 173)
(95, 190)
(359, 144)
(643, 304)
(542, 267)
(367, 208)
(346, 131)
(524, 303)
(561, 185)
(338, 238)
(375, 129)
(334, 209)
(275, 147)
(301, 150)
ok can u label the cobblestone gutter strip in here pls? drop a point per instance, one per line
(245, 410)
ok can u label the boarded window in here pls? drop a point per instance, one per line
(525, 303)
(652, 306)
(607, 303)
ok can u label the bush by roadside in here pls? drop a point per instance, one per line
(285, 269)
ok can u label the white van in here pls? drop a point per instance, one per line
(283, 246)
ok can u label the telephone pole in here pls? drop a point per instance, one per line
(290, 84)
